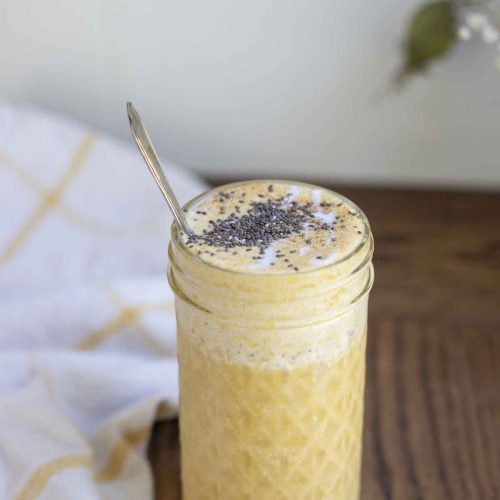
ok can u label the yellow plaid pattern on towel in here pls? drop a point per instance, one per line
(49, 200)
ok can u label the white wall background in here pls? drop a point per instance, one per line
(260, 87)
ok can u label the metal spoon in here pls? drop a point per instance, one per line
(151, 158)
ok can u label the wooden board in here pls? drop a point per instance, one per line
(432, 420)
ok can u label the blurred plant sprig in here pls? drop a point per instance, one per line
(438, 25)
(430, 35)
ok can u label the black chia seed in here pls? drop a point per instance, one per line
(265, 222)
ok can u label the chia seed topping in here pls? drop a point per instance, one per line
(265, 222)
(273, 227)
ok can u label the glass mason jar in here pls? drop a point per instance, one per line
(272, 370)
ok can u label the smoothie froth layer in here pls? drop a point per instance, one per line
(273, 227)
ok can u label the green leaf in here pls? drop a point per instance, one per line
(431, 34)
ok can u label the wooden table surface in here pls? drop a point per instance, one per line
(432, 420)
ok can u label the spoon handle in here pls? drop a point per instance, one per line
(151, 158)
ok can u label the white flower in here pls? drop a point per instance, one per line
(464, 33)
(475, 20)
(490, 35)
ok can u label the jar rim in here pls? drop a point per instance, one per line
(367, 235)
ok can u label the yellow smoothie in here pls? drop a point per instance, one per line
(271, 342)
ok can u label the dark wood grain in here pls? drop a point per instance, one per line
(432, 422)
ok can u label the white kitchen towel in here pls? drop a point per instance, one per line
(87, 325)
